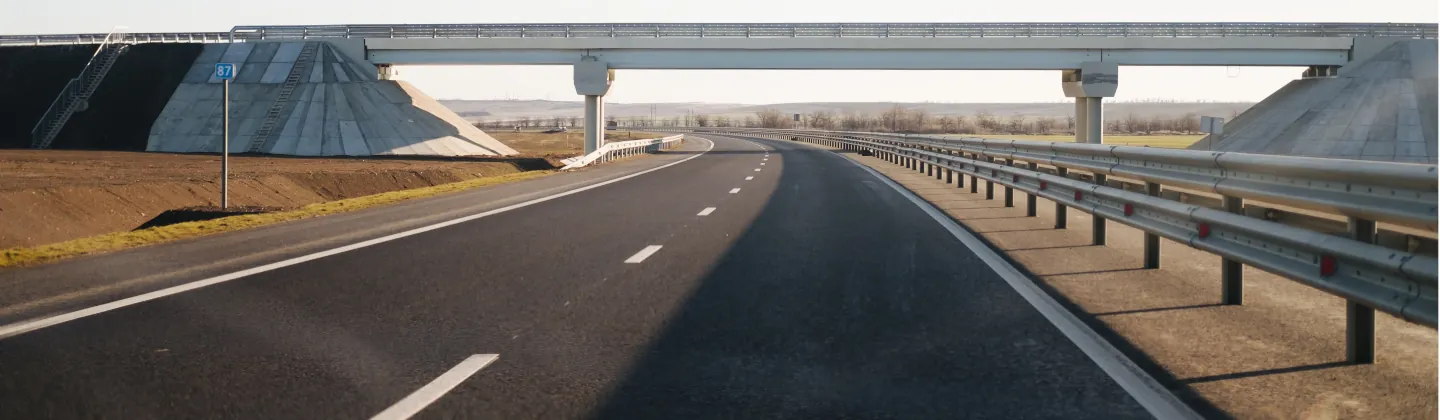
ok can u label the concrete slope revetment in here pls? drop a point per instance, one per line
(309, 99)
(1380, 107)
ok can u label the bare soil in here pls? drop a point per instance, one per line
(49, 196)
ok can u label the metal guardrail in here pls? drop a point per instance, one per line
(841, 30)
(620, 149)
(761, 30)
(1399, 283)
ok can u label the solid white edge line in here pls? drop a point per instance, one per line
(431, 392)
(734, 190)
(12, 330)
(706, 212)
(644, 253)
(1147, 391)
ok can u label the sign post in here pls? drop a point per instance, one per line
(1215, 126)
(225, 72)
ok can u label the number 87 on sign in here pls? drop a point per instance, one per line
(224, 71)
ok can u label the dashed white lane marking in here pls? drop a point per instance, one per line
(749, 178)
(437, 388)
(643, 254)
(12, 330)
(734, 190)
(757, 169)
(762, 163)
(706, 212)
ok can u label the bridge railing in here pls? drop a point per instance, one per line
(759, 30)
(621, 149)
(129, 38)
(840, 30)
(1396, 282)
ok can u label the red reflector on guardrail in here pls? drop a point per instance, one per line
(1327, 265)
(1079, 196)
(1014, 178)
(1129, 209)
(1043, 185)
(1203, 230)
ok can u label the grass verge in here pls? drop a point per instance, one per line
(23, 256)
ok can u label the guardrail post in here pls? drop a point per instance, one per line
(990, 183)
(938, 169)
(960, 176)
(1152, 241)
(975, 181)
(1009, 191)
(949, 175)
(1097, 223)
(1359, 319)
(1030, 198)
(1060, 218)
(1232, 277)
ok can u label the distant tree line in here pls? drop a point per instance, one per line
(897, 119)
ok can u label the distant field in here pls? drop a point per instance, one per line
(559, 144)
(1170, 142)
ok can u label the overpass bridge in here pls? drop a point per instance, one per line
(1087, 54)
(962, 329)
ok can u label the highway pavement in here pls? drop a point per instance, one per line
(737, 278)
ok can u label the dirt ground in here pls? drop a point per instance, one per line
(535, 143)
(49, 196)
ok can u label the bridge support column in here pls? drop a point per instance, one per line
(594, 122)
(592, 79)
(1089, 85)
(1095, 114)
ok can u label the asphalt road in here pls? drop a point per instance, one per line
(812, 291)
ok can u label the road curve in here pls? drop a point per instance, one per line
(761, 279)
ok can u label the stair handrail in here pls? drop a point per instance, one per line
(51, 112)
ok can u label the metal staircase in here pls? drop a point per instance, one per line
(76, 94)
(300, 70)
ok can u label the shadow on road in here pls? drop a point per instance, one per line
(823, 308)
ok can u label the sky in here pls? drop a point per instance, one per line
(752, 86)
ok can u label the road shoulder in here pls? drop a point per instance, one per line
(1279, 355)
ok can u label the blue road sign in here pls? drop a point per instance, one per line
(224, 71)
